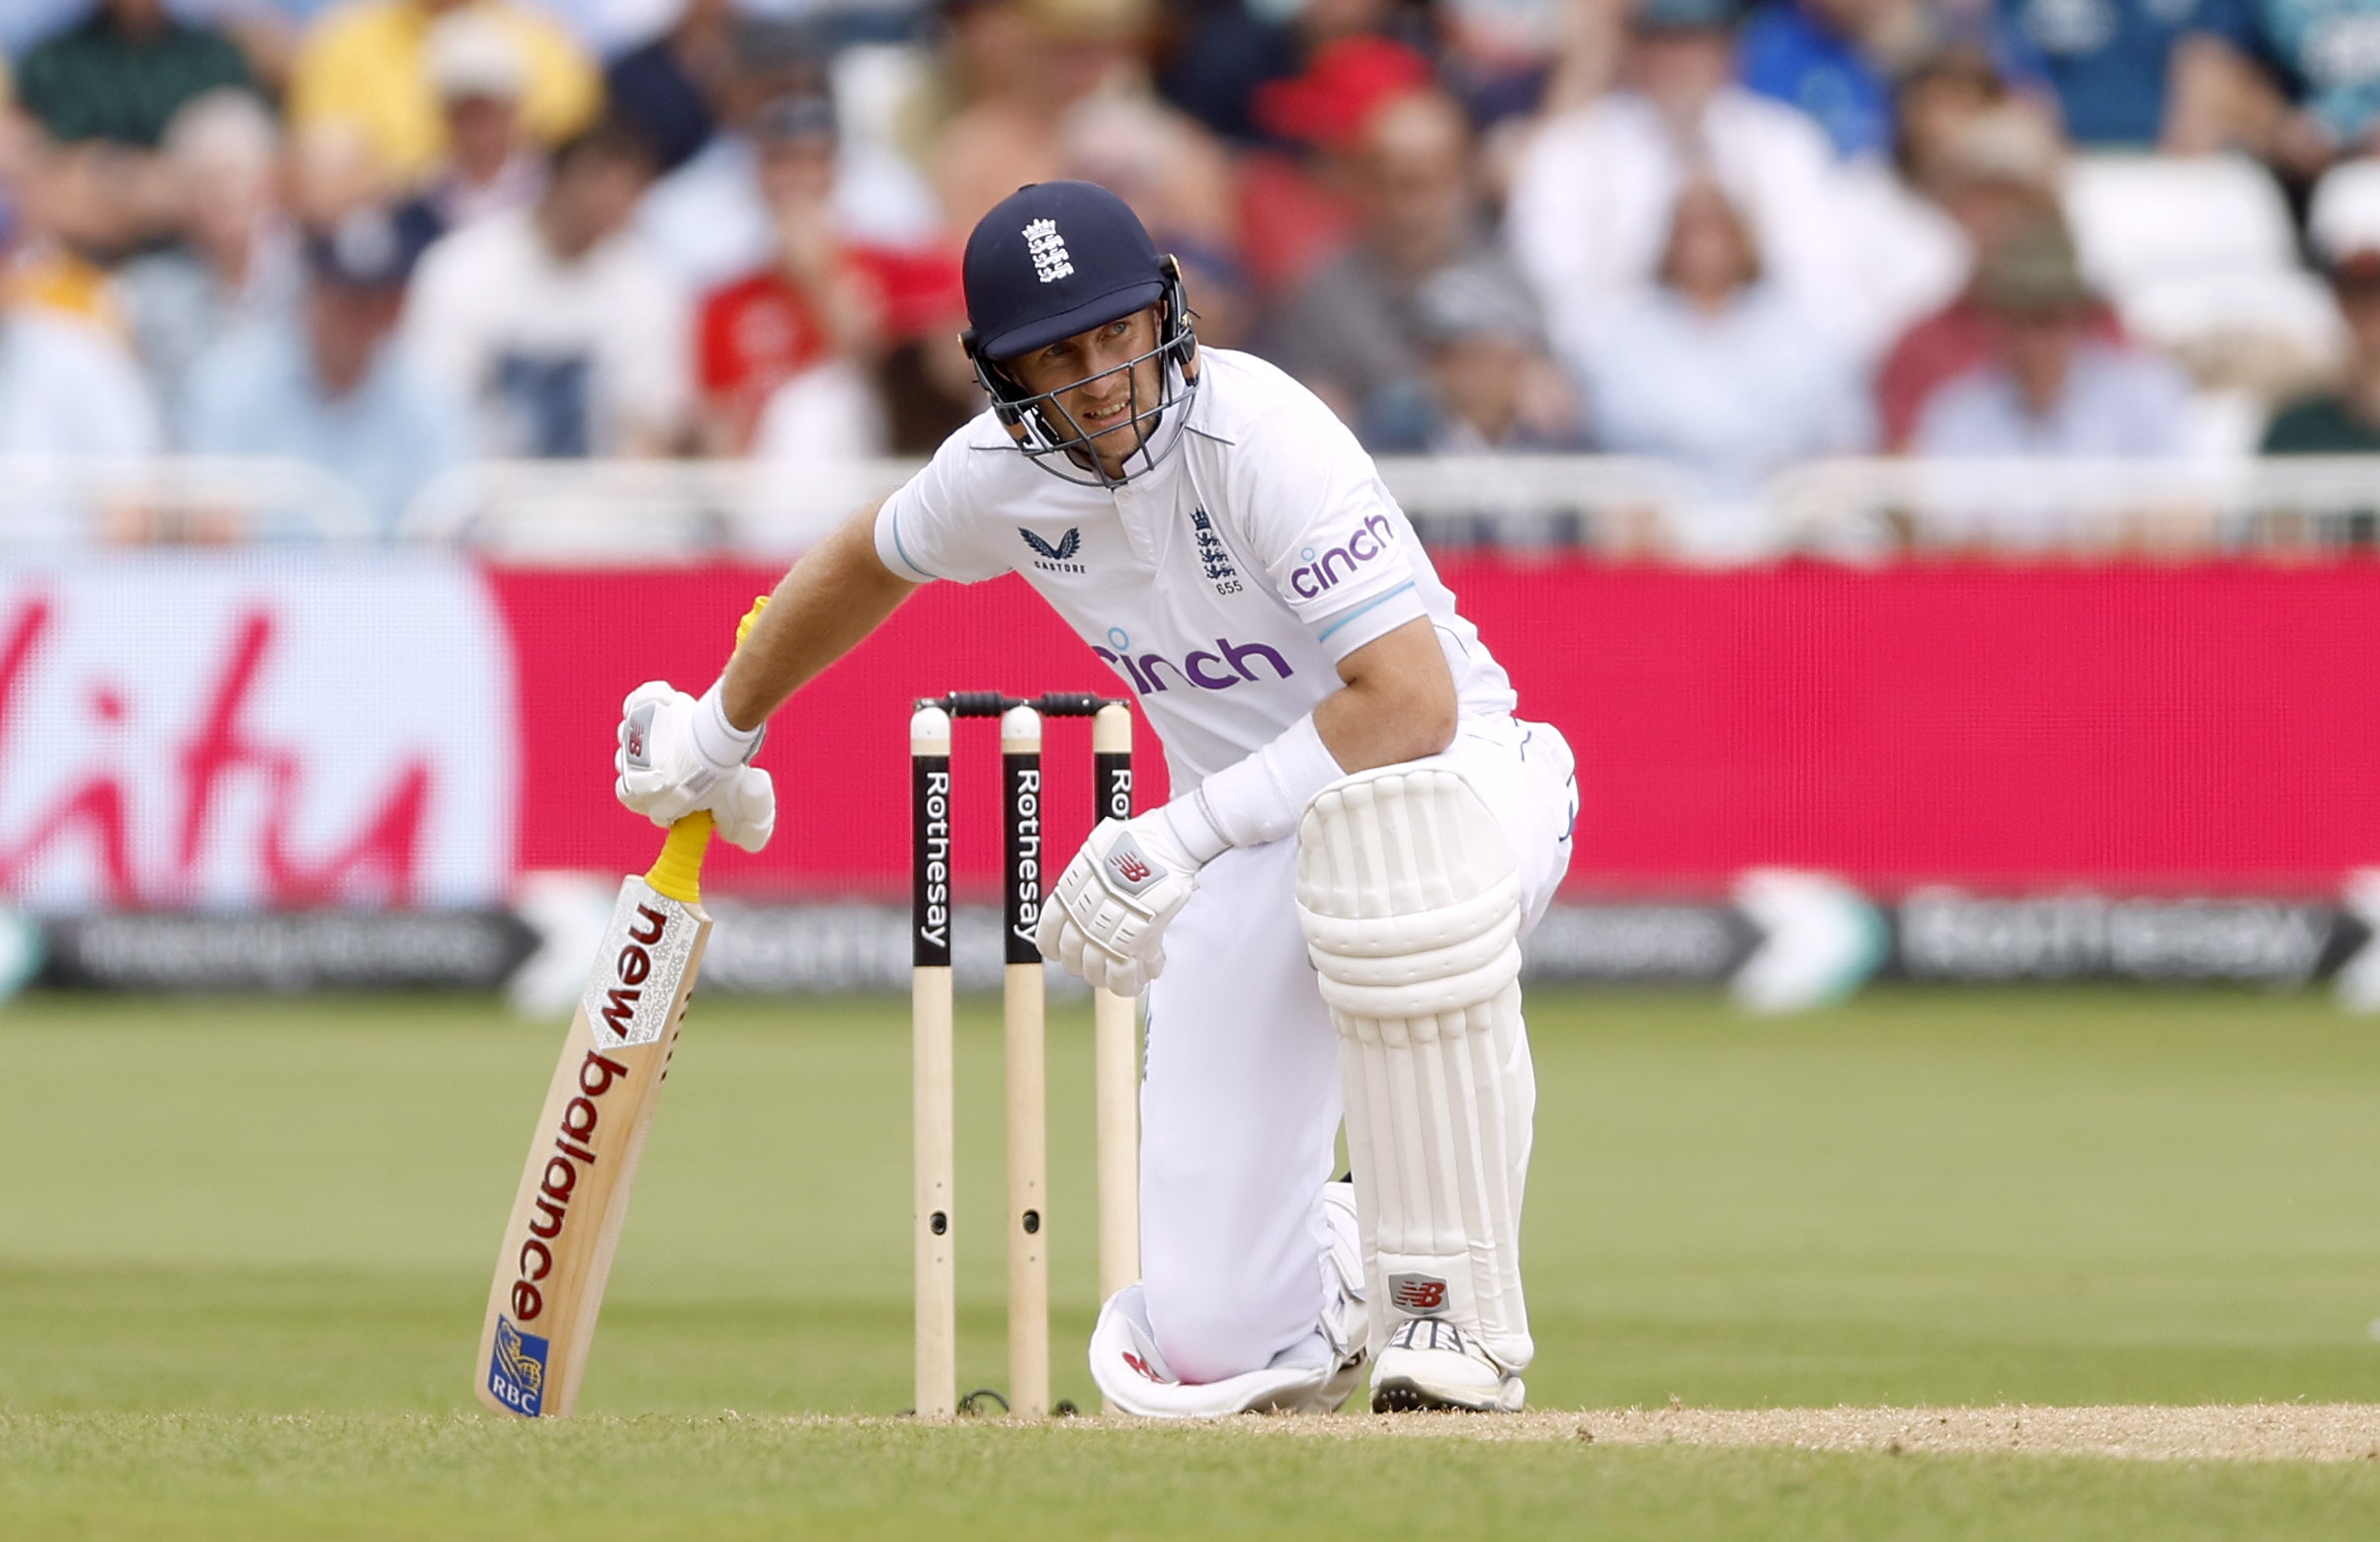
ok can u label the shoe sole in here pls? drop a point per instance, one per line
(1402, 1394)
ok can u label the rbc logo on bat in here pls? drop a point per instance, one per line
(517, 1372)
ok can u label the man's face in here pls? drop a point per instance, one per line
(2036, 343)
(1111, 395)
(598, 194)
(1681, 67)
(1481, 377)
(1414, 177)
(1989, 209)
(797, 172)
(344, 326)
(483, 130)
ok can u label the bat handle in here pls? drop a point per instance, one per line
(676, 874)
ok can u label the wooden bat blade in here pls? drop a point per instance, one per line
(582, 1159)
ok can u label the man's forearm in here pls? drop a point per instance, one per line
(1397, 702)
(832, 598)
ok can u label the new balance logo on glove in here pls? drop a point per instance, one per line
(1133, 868)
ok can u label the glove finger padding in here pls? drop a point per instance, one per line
(652, 794)
(1049, 935)
(1075, 951)
(1129, 879)
(1129, 977)
(745, 809)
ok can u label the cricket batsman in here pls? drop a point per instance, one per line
(1326, 919)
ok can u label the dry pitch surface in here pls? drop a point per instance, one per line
(2260, 1432)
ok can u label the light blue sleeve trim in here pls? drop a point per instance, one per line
(1324, 635)
(890, 518)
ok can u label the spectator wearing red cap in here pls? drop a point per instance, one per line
(1228, 52)
(1297, 211)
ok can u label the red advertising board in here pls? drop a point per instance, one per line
(2135, 727)
(268, 729)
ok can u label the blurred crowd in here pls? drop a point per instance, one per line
(391, 236)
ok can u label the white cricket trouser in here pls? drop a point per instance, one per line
(1240, 1105)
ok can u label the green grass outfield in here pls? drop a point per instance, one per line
(214, 1217)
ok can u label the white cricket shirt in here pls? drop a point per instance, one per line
(1225, 585)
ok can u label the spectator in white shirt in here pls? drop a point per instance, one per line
(710, 219)
(1589, 203)
(567, 336)
(66, 393)
(334, 387)
(1719, 371)
(237, 261)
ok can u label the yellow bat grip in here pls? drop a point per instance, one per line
(676, 874)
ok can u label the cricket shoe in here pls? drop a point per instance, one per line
(1429, 1363)
(1345, 1328)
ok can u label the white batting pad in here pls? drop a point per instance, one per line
(1411, 904)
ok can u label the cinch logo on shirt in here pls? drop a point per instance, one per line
(1202, 669)
(1322, 574)
(1051, 262)
(1060, 558)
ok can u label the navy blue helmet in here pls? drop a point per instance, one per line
(1053, 259)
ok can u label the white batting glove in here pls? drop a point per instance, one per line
(678, 754)
(1107, 915)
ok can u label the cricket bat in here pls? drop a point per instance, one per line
(582, 1159)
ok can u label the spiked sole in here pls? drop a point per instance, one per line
(1403, 1394)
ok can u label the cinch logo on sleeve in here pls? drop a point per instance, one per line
(1322, 574)
(1229, 664)
(516, 1370)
